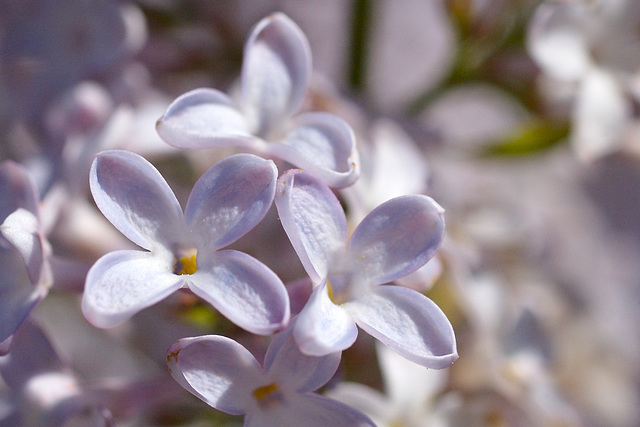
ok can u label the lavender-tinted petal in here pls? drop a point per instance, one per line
(322, 327)
(229, 199)
(275, 72)
(136, 199)
(408, 322)
(217, 370)
(18, 296)
(21, 229)
(294, 370)
(203, 118)
(17, 189)
(313, 219)
(122, 283)
(309, 410)
(244, 290)
(323, 145)
(396, 238)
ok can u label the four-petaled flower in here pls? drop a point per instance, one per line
(24, 252)
(184, 250)
(394, 240)
(226, 376)
(275, 75)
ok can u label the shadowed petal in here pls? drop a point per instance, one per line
(309, 410)
(408, 322)
(230, 198)
(323, 145)
(396, 238)
(217, 370)
(294, 370)
(136, 199)
(313, 219)
(244, 290)
(21, 229)
(275, 72)
(203, 118)
(122, 283)
(18, 190)
(323, 327)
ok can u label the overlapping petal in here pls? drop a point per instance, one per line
(244, 290)
(21, 229)
(204, 118)
(275, 72)
(122, 283)
(322, 144)
(295, 370)
(396, 238)
(408, 322)
(322, 327)
(230, 198)
(136, 199)
(313, 220)
(217, 370)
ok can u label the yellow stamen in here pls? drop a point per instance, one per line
(330, 291)
(188, 264)
(261, 393)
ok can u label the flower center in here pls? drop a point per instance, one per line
(268, 395)
(186, 264)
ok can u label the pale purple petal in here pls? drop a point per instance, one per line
(396, 238)
(294, 370)
(18, 296)
(275, 72)
(308, 410)
(313, 219)
(217, 370)
(323, 145)
(136, 199)
(21, 229)
(122, 283)
(322, 327)
(18, 190)
(408, 322)
(229, 199)
(244, 290)
(203, 118)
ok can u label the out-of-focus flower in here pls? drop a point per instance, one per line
(394, 240)
(226, 376)
(275, 75)
(185, 250)
(410, 393)
(26, 273)
(592, 46)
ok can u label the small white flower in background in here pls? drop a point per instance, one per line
(593, 47)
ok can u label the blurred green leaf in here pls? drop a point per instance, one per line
(534, 136)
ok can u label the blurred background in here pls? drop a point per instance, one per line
(520, 118)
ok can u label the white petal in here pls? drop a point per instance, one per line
(244, 290)
(601, 114)
(323, 145)
(396, 238)
(367, 400)
(294, 370)
(557, 40)
(275, 72)
(21, 229)
(122, 283)
(308, 410)
(313, 219)
(230, 198)
(136, 199)
(323, 327)
(216, 369)
(203, 118)
(408, 322)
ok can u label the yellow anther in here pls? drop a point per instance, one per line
(188, 265)
(262, 393)
(330, 291)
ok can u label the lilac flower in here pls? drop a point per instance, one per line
(25, 271)
(394, 240)
(275, 75)
(184, 250)
(226, 376)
